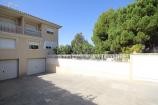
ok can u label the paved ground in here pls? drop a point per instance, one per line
(55, 89)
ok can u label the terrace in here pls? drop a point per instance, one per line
(19, 30)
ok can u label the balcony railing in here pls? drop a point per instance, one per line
(18, 30)
(10, 28)
(32, 33)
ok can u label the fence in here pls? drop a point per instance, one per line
(105, 57)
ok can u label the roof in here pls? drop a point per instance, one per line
(29, 15)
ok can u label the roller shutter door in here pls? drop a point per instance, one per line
(8, 69)
(36, 66)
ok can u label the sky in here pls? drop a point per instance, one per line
(74, 15)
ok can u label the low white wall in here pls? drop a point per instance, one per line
(144, 67)
(140, 67)
(113, 70)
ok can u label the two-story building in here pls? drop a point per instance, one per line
(25, 42)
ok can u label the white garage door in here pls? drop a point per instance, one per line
(8, 69)
(36, 66)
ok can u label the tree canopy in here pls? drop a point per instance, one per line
(63, 49)
(129, 29)
(78, 46)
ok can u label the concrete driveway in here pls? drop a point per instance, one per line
(57, 89)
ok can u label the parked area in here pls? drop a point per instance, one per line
(60, 89)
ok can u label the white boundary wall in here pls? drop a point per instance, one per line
(97, 68)
(140, 67)
(144, 67)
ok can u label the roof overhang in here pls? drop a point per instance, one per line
(20, 13)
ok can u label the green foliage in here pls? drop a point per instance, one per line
(141, 38)
(133, 28)
(63, 49)
(138, 48)
(55, 50)
(80, 45)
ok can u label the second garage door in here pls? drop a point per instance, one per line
(36, 66)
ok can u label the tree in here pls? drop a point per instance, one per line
(80, 45)
(132, 27)
(138, 48)
(63, 49)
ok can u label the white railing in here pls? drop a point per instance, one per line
(107, 57)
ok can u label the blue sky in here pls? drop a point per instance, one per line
(74, 15)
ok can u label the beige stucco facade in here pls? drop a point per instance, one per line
(22, 52)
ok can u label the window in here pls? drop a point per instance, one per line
(7, 21)
(7, 43)
(50, 31)
(33, 45)
(48, 44)
(30, 27)
(48, 47)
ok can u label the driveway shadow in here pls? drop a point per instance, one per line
(36, 91)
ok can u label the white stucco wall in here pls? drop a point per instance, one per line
(101, 69)
(140, 67)
(145, 67)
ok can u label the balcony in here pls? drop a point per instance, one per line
(11, 28)
(18, 30)
(32, 33)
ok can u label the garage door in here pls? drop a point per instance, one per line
(8, 69)
(36, 66)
